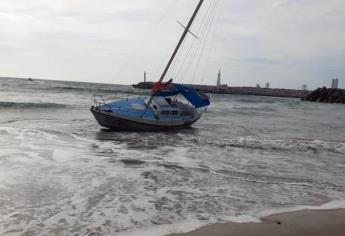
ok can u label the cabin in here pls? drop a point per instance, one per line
(164, 106)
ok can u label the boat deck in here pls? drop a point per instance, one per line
(136, 108)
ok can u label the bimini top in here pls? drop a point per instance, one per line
(194, 96)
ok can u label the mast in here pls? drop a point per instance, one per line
(181, 41)
(183, 36)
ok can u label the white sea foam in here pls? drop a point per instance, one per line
(281, 144)
(187, 225)
(190, 224)
(332, 205)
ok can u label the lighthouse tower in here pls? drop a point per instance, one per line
(218, 79)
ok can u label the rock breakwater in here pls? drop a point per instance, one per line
(326, 95)
(240, 90)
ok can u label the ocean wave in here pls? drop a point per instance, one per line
(29, 105)
(277, 180)
(95, 90)
(83, 89)
(279, 145)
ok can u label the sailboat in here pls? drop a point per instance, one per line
(161, 110)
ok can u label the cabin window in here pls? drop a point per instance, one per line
(165, 113)
(173, 113)
(186, 113)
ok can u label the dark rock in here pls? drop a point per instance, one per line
(144, 85)
(326, 95)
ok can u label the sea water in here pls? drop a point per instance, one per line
(62, 174)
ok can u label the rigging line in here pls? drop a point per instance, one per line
(196, 52)
(173, 68)
(170, 72)
(177, 72)
(205, 28)
(144, 39)
(219, 16)
(194, 48)
(182, 38)
(184, 60)
(203, 21)
(176, 65)
(160, 65)
(177, 53)
(205, 34)
(206, 41)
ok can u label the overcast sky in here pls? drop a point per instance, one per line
(285, 42)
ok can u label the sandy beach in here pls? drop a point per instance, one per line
(299, 223)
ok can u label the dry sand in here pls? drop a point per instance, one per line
(299, 223)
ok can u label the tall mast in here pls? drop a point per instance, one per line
(185, 32)
(181, 41)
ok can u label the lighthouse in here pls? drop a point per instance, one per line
(218, 79)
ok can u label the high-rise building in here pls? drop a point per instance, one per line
(258, 86)
(335, 83)
(304, 87)
(267, 85)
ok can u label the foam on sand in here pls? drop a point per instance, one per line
(332, 205)
(191, 224)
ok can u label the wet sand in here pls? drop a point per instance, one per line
(299, 223)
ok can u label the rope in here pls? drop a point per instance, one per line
(206, 40)
(213, 38)
(201, 27)
(205, 33)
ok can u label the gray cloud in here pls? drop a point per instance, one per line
(257, 60)
(285, 42)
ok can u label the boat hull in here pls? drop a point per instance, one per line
(115, 122)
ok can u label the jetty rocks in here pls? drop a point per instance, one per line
(326, 95)
(289, 93)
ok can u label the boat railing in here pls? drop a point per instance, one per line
(101, 99)
(98, 100)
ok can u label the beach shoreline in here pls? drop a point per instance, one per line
(297, 223)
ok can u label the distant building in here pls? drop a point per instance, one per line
(258, 86)
(267, 85)
(219, 82)
(304, 87)
(335, 83)
(145, 76)
(219, 79)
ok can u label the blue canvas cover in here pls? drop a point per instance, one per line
(194, 96)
